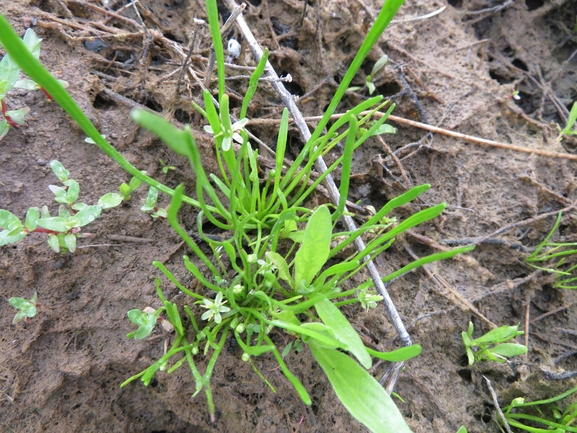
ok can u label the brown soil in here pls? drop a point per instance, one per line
(61, 371)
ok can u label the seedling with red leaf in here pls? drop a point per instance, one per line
(64, 228)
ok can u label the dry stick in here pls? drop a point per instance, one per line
(437, 130)
(496, 401)
(322, 168)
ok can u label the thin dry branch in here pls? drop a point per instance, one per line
(436, 130)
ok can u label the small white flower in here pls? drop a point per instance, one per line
(214, 308)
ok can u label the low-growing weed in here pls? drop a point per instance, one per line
(279, 264)
(558, 421)
(9, 74)
(63, 229)
(558, 258)
(26, 308)
(568, 130)
(493, 345)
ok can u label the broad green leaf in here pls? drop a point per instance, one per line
(72, 192)
(499, 335)
(53, 242)
(145, 322)
(56, 224)
(379, 65)
(462, 429)
(509, 349)
(315, 248)
(26, 84)
(360, 393)
(400, 355)
(344, 332)
(151, 200)
(59, 170)
(32, 217)
(385, 129)
(9, 72)
(32, 42)
(85, 216)
(70, 242)
(12, 226)
(4, 128)
(110, 200)
(9, 221)
(470, 355)
(466, 339)
(322, 329)
(280, 263)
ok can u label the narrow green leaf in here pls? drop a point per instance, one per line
(344, 332)
(346, 168)
(360, 393)
(253, 84)
(400, 355)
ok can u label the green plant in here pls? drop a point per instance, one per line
(165, 167)
(278, 265)
(150, 204)
(380, 64)
(26, 308)
(63, 229)
(462, 429)
(9, 73)
(556, 254)
(497, 338)
(558, 422)
(568, 130)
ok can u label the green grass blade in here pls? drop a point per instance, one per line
(385, 16)
(346, 168)
(212, 13)
(253, 84)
